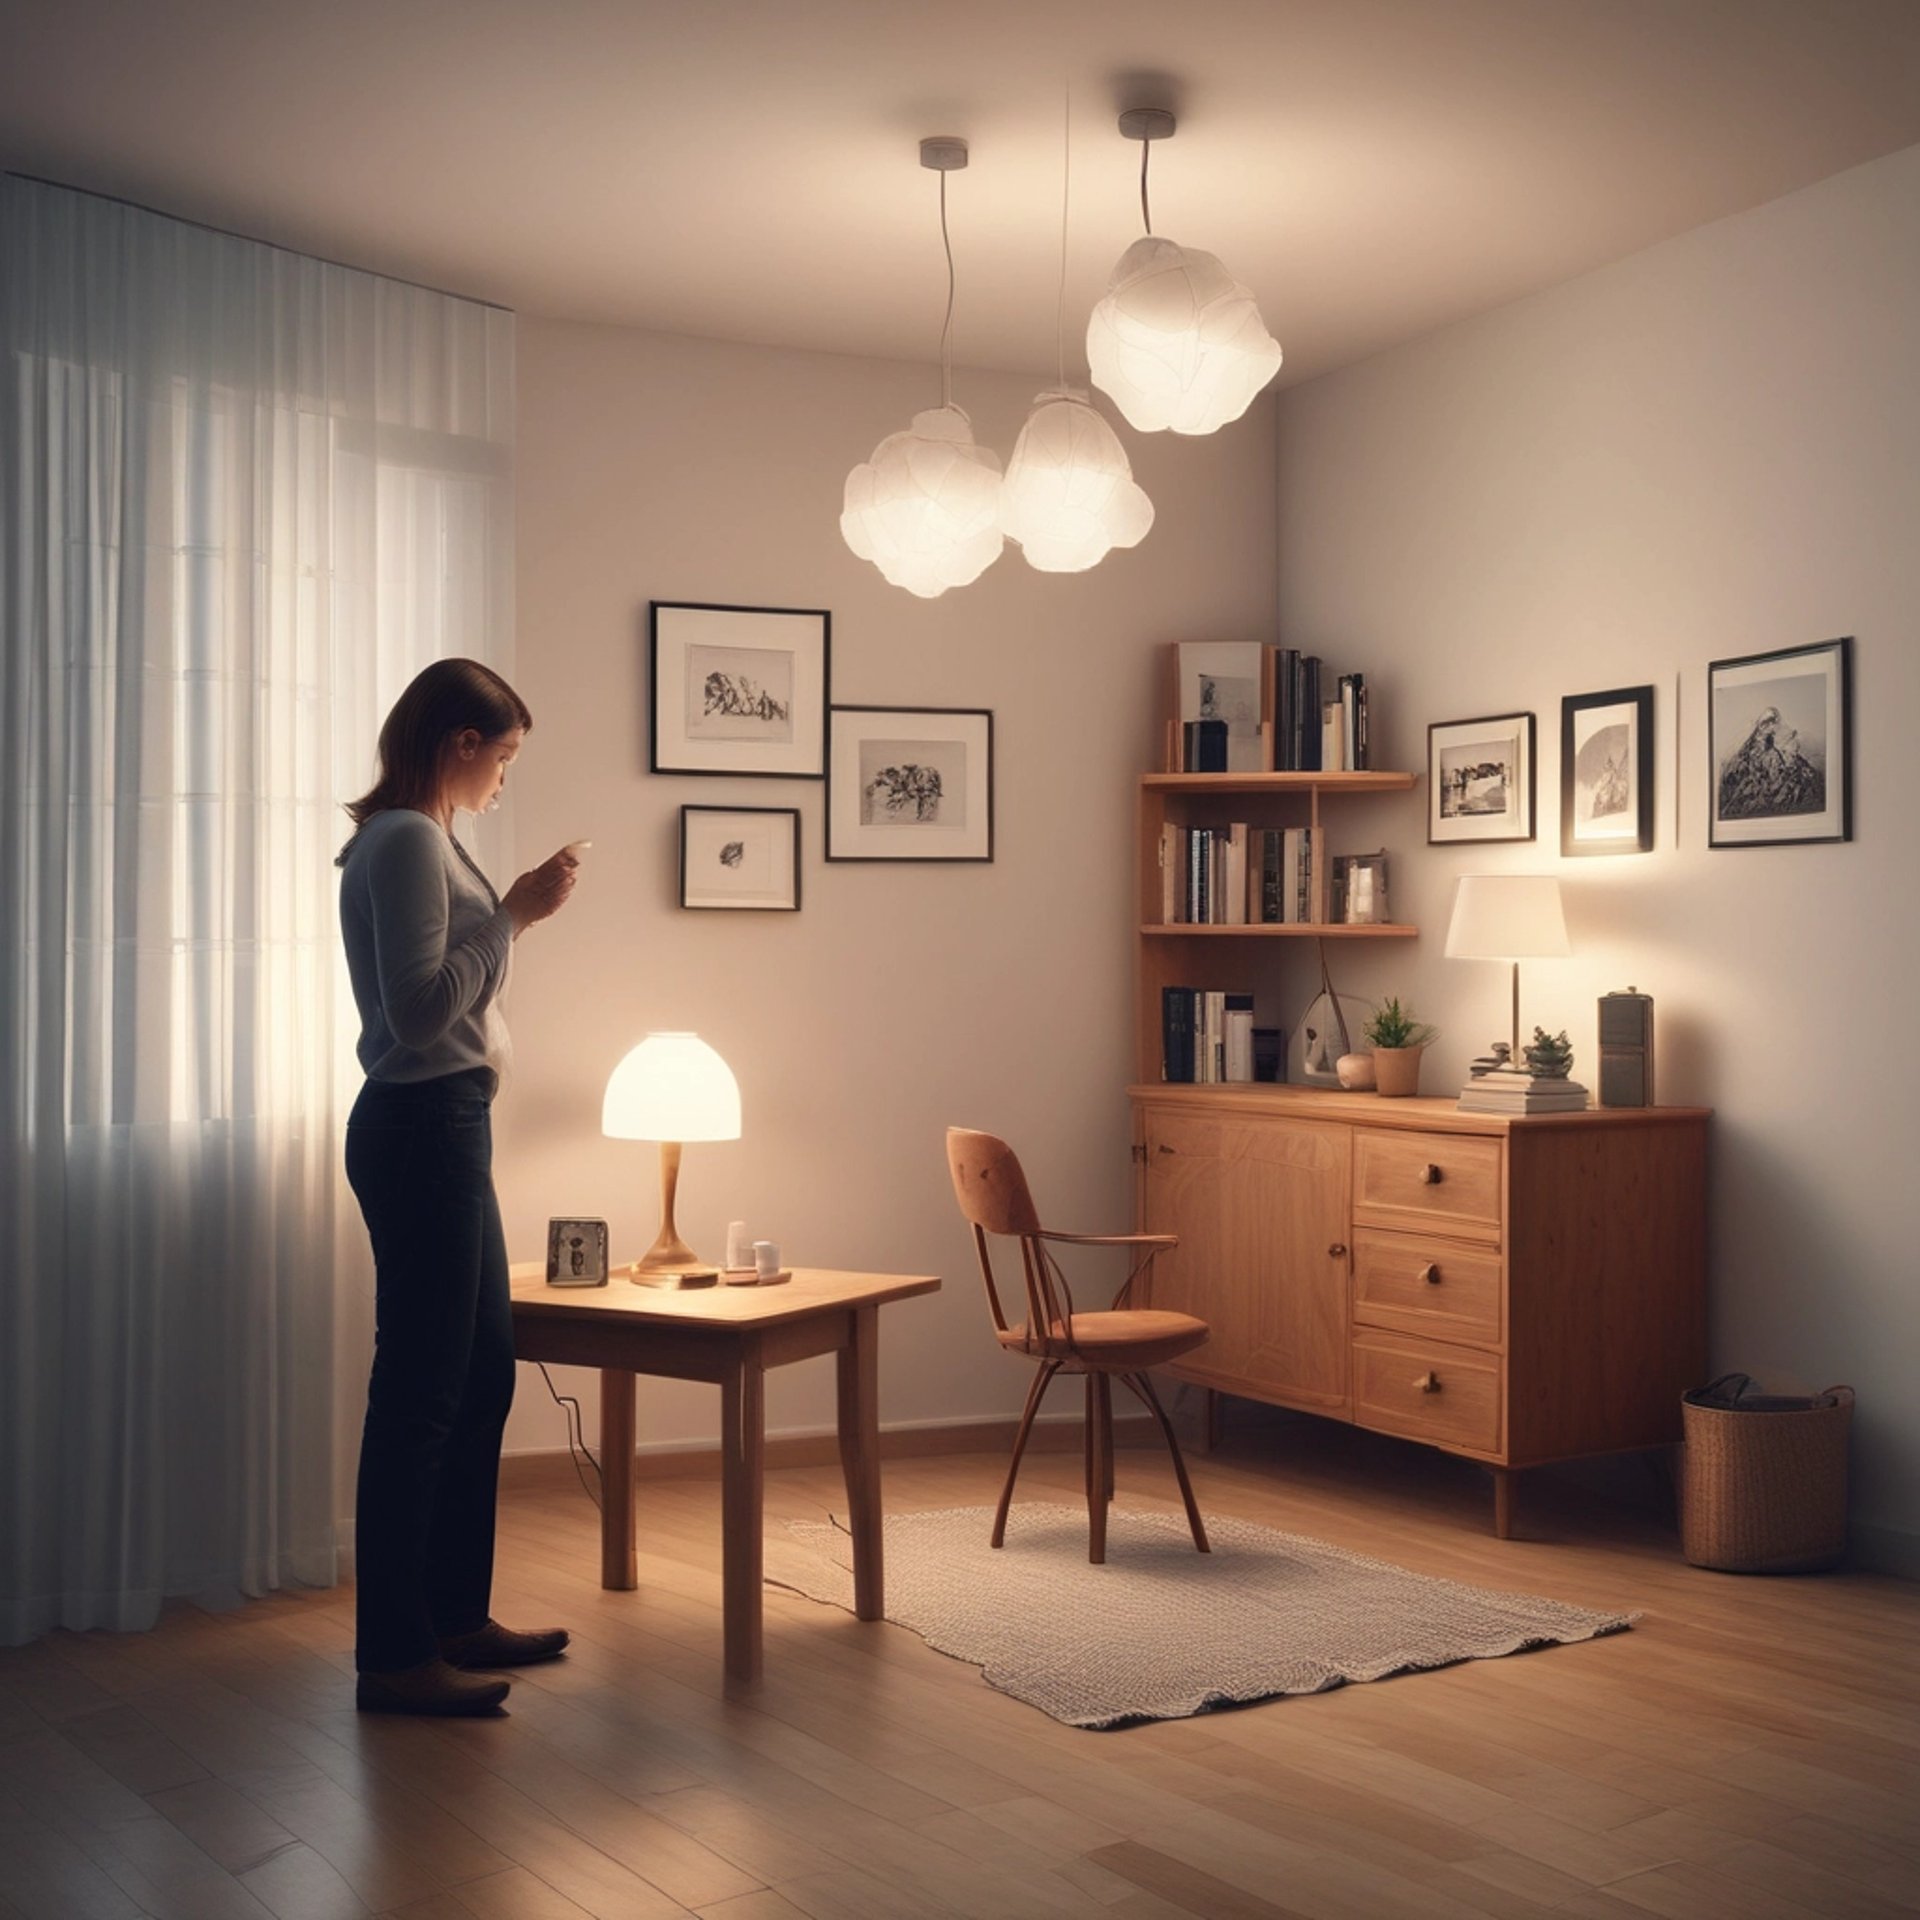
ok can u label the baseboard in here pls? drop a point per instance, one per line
(821, 1448)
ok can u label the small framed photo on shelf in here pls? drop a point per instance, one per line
(745, 858)
(576, 1253)
(1606, 771)
(738, 690)
(1359, 890)
(1780, 747)
(1480, 779)
(1220, 702)
(910, 783)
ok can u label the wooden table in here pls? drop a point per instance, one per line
(729, 1336)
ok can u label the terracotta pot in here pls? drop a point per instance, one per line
(1396, 1071)
(1355, 1072)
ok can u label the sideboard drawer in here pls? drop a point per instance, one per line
(1416, 1283)
(1433, 1180)
(1427, 1390)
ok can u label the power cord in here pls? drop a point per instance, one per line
(576, 1438)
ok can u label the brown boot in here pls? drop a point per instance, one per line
(431, 1687)
(496, 1646)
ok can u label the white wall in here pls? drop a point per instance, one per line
(901, 998)
(1710, 449)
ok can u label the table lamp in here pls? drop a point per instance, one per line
(671, 1088)
(1508, 916)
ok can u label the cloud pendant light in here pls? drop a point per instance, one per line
(1069, 497)
(1177, 343)
(925, 509)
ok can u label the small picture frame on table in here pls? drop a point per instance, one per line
(740, 858)
(576, 1253)
(1780, 747)
(1480, 779)
(1606, 772)
(738, 690)
(910, 783)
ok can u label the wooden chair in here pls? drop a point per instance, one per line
(1120, 1343)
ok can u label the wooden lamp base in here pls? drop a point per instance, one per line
(670, 1262)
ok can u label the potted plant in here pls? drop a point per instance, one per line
(1398, 1040)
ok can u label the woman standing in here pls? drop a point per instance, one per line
(428, 943)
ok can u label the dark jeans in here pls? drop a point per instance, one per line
(420, 1162)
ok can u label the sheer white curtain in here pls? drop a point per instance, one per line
(244, 496)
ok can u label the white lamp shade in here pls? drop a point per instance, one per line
(1069, 497)
(1507, 916)
(1178, 343)
(926, 508)
(672, 1086)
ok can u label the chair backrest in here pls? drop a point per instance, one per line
(992, 1192)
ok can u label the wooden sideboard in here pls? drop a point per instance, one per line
(1515, 1291)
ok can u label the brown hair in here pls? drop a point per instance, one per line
(441, 700)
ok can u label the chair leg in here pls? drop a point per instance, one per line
(1042, 1379)
(1142, 1384)
(1099, 1464)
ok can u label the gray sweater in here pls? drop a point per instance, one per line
(428, 945)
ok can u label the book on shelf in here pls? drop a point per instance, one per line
(1204, 746)
(1207, 1037)
(1319, 719)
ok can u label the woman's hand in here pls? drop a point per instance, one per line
(542, 891)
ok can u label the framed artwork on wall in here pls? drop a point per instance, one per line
(1606, 771)
(910, 783)
(744, 858)
(1780, 747)
(1224, 681)
(1480, 779)
(738, 690)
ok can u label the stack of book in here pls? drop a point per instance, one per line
(1205, 1037)
(1509, 1092)
(1240, 876)
(1317, 727)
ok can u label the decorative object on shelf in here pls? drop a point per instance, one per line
(672, 1087)
(738, 690)
(1177, 343)
(1355, 1072)
(1508, 916)
(1549, 1056)
(576, 1253)
(1326, 1030)
(1359, 897)
(1480, 779)
(1398, 1040)
(1070, 497)
(745, 858)
(1626, 1049)
(925, 508)
(910, 783)
(1225, 681)
(1606, 771)
(1780, 747)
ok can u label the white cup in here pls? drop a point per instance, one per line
(766, 1258)
(739, 1247)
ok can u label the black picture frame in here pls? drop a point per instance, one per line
(1606, 772)
(577, 1253)
(775, 662)
(763, 843)
(1458, 788)
(1780, 747)
(954, 744)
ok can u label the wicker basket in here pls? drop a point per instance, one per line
(1764, 1488)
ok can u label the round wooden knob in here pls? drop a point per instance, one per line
(1338, 1250)
(1430, 1274)
(1429, 1175)
(1428, 1383)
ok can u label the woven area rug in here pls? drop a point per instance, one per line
(1161, 1631)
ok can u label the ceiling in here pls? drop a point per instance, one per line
(747, 169)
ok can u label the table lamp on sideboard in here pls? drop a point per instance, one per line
(1508, 916)
(671, 1088)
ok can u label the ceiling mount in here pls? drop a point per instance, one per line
(1147, 123)
(943, 153)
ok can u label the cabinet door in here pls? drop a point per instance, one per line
(1261, 1209)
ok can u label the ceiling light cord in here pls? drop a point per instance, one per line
(946, 329)
(1066, 189)
(1146, 212)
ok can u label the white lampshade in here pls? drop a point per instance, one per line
(1178, 342)
(1069, 497)
(672, 1086)
(926, 508)
(1507, 916)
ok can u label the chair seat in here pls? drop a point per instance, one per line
(1121, 1341)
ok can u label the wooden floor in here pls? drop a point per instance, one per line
(1751, 1749)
